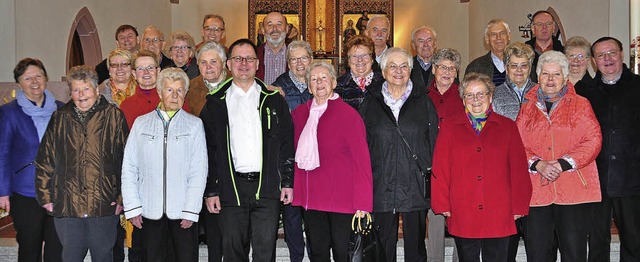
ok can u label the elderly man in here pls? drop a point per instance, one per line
(271, 54)
(543, 28)
(250, 155)
(127, 39)
(211, 58)
(153, 40)
(212, 29)
(423, 41)
(497, 35)
(378, 29)
(182, 50)
(614, 96)
(163, 180)
(78, 169)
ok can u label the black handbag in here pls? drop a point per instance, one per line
(364, 244)
(426, 174)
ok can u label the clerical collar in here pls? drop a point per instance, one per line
(612, 81)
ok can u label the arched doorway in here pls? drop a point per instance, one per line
(83, 46)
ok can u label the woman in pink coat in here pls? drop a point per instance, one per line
(480, 180)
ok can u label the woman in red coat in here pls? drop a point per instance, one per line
(480, 180)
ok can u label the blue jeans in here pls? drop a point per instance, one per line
(94, 234)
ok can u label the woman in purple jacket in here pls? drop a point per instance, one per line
(22, 125)
(333, 171)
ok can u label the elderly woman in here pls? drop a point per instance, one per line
(399, 182)
(578, 51)
(510, 94)
(480, 181)
(333, 170)
(292, 83)
(354, 85)
(181, 49)
(444, 90)
(23, 123)
(163, 179)
(121, 83)
(211, 58)
(562, 138)
(78, 169)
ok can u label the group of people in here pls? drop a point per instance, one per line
(223, 140)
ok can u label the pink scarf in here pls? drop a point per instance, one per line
(307, 155)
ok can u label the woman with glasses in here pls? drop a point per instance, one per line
(401, 123)
(443, 91)
(182, 50)
(480, 180)
(121, 82)
(510, 94)
(578, 52)
(332, 166)
(562, 138)
(292, 83)
(355, 84)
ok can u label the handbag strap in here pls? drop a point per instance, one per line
(413, 155)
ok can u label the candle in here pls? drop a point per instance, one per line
(339, 50)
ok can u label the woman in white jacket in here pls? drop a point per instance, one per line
(164, 173)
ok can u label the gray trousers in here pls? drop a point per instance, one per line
(435, 242)
(94, 234)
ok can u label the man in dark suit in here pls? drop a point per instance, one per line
(423, 41)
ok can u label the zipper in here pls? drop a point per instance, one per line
(264, 99)
(233, 179)
(164, 168)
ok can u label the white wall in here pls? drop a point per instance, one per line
(188, 16)
(8, 40)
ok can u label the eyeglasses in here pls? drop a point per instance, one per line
(579, 57)
(523, 66)
(447, 68)
(404, 67)
(541, 24)
(148, 68)
(119, 65)
(361, 56)
(479, 95)
(240, 59)
(181, 48)
(304, 59)
(610, 54)
(214, 29)
(154, 40)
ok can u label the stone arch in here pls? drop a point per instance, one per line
(86, 35)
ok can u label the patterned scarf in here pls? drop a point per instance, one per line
(542, 98)
(363, 82)
(477, 123)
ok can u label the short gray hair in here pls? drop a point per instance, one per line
(385, 56)
(182, 36)
(154, 28)
(298, 44)
(173, 74)
(476, 77)
(520, 50)
(209, 16)
(578, 42)
(556, 57)
(317, 63)
(83, 73)
(496, 21)
(424, 27)
(212, 46)
(447, 54)
(383, 17)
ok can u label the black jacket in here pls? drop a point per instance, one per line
(277, 146)
(617, 110)
(557, 46)
(351, 93)
(417, 75)
(397, 182)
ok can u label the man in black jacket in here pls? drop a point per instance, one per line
(543, 28)
(614, 96)
(249, 134)
(423, 41)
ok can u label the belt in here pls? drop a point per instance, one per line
(251, 176)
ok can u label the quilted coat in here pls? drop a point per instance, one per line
(571, 131)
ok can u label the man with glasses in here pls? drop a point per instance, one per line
(153, 40)
(249, 135)
(614, 96)
(423, 41)
(378, 29)
(543, 29)
(272, 52)
(212, 29)
(127, 39)
(497, 35)
(181, 48)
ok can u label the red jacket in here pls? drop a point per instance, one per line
(571, 132)
(482, 180)
(343, 183)
(447, 104)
